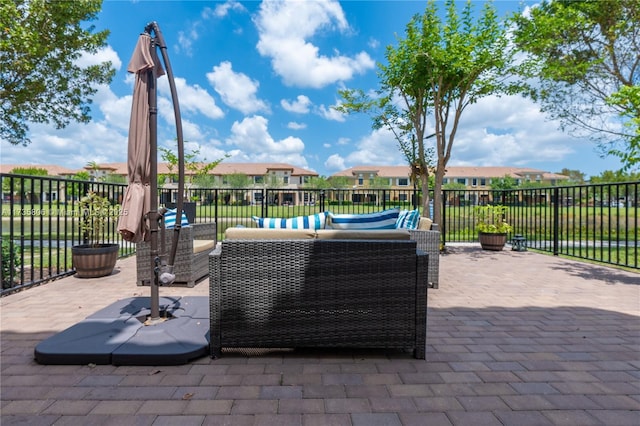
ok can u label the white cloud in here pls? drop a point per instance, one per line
(237, 90)
(329, 113)
(335, 163)
(300, 105)
(102, 55)
(222, 10)
(191, 98)
(70, 147)
(284, 27)
(116, 111)
(251, 136)
(296, 126)
(510, 130)
(378, 147)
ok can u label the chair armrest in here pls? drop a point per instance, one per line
(427, 240)
(203, 231)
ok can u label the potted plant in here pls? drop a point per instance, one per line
(491, 227)
(95, 258)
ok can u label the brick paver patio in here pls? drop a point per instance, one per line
(514, 338)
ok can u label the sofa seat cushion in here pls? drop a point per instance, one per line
(363, 234)
(203, 245)
(269, 234)
(385, 219)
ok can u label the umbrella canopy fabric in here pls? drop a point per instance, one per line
(133, 222)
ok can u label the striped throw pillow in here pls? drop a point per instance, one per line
(170, 219)
(385, 219)
(314, 221)
(408, 219)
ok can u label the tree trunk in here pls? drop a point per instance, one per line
(424, 186)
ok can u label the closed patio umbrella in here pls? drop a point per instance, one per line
(132, 223)
(139, 215)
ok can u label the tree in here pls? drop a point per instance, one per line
(236, 182)
(32, 188)
(437, 70)
(94, 169)
(628, 100)
(584, 69)
(339, 182)
(575, 176)
(42, 80)
(198, 170)
(503, 183)
(318, 182)
(618, 176)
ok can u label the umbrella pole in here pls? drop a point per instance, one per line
(158, 41)
(153, 184)
(179, 136)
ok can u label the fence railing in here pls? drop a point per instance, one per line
(591, 222)
(41, 219)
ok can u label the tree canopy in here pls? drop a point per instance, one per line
(584, 66)
(438, 69)
(42, 78)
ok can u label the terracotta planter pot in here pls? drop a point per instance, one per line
(94, 261)
(493, 242)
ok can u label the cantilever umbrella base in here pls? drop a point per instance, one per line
(117, 335)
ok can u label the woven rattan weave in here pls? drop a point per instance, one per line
(318, 293)
(189, 267)
(429, 242)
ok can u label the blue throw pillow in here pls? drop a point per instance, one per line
(170, 219)
(385, 219)
(314, 221)
(408, 219)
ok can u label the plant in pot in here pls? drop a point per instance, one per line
(95, 258)
(491, 226)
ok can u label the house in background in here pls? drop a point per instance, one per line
(476, 180)
(290, 181)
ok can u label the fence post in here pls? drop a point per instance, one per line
(265, 194)
(556, 220)
(443, 215)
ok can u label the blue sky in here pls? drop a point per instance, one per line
(257, 80)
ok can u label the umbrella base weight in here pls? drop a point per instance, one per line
(118, 335)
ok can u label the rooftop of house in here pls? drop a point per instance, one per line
(261, 169)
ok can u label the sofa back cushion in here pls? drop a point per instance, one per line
(425, 223)
(314, 221)
(268, 234)
(170, 219)
(385, 219)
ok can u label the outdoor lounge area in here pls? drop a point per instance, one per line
(513, 338)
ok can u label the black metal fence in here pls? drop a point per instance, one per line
(592, 222)
(41, 220)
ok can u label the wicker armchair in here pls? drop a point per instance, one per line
(318, 293)
(191, 264)
(429, 242)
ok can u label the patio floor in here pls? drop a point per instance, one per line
(514, 338)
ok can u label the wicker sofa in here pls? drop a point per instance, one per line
(191, 263)
(294, 289)
(428, 240)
